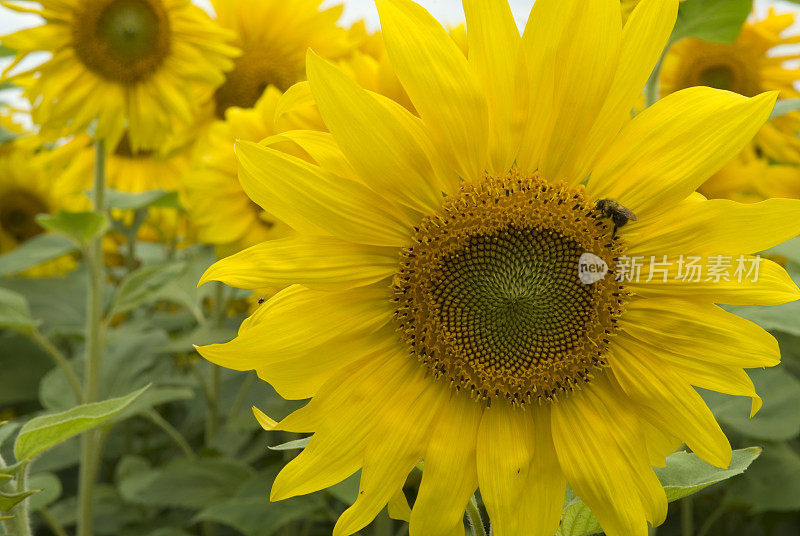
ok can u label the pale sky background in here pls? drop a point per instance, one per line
(447, 11)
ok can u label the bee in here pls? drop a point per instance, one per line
(261, 300)
(618, 214)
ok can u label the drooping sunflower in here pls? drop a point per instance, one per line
(32, 183)
(432, 307)
(750, 65)
(139, 66)
(274, 36)
(750, 178)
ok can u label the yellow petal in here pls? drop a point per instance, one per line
(716, 227)
(449, 477)
(773, 286)
(318, 262)
(667, 400)
(386, 156)
(700, 331)
(310, 199)
(443, 88)
(520, 479)
(643, 39)
(398, 507)
(280, 337)
(671, 148)
(573, 49)
(494, 48)
(398, 439)
(601, 450)
(320, 146)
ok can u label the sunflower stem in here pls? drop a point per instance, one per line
(55, 526)
(212, 416)
(20, 524)
(705, 529)
(687, 516)
(172, 432)
(90, 442)
(651, 89)
(474, 518)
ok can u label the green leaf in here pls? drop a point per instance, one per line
(784, 318)
(683, 475)
(686, 474)
(20, 378)
(773, 484)
(717, 21)
(256, 516)
(35, 251)
(10, 500)
(783, 107)
(778, 419)
(14, 311)
(50, 487)
(292, 445)
(185, 483)
(6, 51)
(143, 285)
(41, 433)
(81, 227)
(7, 429)
(139, 201)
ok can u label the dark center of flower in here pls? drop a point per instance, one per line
(122, 40)
(718, 76)
(489, 296)
(720, 67)
(253, 72)
(18, 211)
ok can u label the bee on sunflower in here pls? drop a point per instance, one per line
(431, 306)
(135, 66)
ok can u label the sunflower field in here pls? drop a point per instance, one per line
(399, 267)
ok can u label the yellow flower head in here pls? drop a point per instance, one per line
(32, 183)
(748, 66)
(140, 65)
(750, 178)
(274, 36)
(431, 304)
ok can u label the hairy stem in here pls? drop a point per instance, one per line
(61, 362)
(474, 518)
(90, 446)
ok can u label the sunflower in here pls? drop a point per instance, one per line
(131, 171)
(139, 65)
(750, 65)
(751, 178)
(431, 306)
(274, 36)
(220, 211)
(31, 184)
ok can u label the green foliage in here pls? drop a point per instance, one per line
(143, 285)
(80, 227)
(783, 107)
(718, 21)
(14, 311)
(138, 201)
(41, 433)
(35, 251)
(684, 475)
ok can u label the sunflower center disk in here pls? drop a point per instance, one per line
(253, 72)
(122, 40)
(490, 297)
(18, 211)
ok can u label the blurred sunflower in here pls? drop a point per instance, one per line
(31, 183)
(431, 306)
(131, 171)
(750, 178)
(274, 36)
(748, 66)
(140, 65)
(220, 211)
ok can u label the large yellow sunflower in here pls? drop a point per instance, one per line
(274, 36)
(140, 65)
(32, 183)
(432, 307)
(748, 66)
